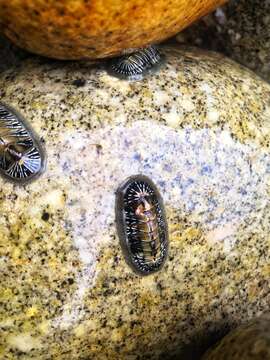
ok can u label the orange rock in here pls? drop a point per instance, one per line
(90, 29)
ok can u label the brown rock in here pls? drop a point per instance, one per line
(247, 342)
(240, 30)
(79, 29)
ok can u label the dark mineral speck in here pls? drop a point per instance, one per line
(79, 82)
(45, 216)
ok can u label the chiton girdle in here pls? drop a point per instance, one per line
(22, 158)
(141, 225)
(137, 65)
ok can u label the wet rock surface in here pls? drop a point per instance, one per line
(240, 30)
(199, 128)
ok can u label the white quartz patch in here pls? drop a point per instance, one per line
(198, 172)
(24, 342)
(207, 176)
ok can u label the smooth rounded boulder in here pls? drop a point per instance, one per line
(199, 130)
(87, 29)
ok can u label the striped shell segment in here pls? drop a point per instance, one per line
(21, 156)
(137, 65)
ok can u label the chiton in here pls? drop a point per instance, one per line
(142, 225)
(21, 156)
(137, 65)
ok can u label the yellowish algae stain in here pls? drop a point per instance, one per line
(44, 327)
(6, 294)
(40, 253)
(32, 311)
(39, 105)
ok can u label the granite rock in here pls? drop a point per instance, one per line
(250, 342)
(239, 29)
(199, 128)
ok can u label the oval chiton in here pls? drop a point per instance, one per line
(21, 156)
(142, 225)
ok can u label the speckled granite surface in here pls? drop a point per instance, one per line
(200, 129)
(239, 29)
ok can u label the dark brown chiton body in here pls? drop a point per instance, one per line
(142, 225)
(21, 156)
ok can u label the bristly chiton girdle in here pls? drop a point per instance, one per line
(142, 225)
(21, 156)
(137, 65)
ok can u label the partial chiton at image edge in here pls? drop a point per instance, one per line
(21, 156)
(142, 225)
(137, 65)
